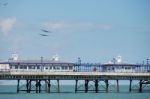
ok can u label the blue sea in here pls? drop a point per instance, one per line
(67, 92)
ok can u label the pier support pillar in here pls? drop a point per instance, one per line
(107, 85)
(76, 86)
(27, 86)
(58, 87)
(49, 84)
(46, 86)
(86, 86)
(96, 86)
(30, 82)
(39, 84)
(36, 85)
(130, 89)
(140, 84)
(18, 81)
(117, 85)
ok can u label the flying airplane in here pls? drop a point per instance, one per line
(47, 31)
(43, 35)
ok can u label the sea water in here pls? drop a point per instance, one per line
(67, 92)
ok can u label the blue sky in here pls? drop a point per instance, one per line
(95, 30)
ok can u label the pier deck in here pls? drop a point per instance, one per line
(74, 75)
(38, 75)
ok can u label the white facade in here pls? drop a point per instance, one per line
(4, 66)
(42, 67)
(118, 68)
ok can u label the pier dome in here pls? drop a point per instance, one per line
(118, 59)
(56, 57)
(14, 56)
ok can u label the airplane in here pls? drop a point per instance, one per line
(46, 31)
(43, 35)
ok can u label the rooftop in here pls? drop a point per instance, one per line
(33, 61)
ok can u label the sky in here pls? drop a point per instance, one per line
(95, 30)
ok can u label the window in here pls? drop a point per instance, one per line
(57, 68)
(70, 67)
(46, 68)
(64, 67)
(38, 66)
(113, 68)
(31, 67)
(50, 67)
(23, 66)
(127, 67)
(10, 67)
(16, 67)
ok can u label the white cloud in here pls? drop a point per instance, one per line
(62, 25)
(6, 24)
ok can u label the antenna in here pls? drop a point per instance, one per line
(147, 61)
(79, 60)
(41, 63)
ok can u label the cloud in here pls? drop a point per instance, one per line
(7, 24)
(63, 25)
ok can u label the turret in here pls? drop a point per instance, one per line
(14, 56)
(55, 58)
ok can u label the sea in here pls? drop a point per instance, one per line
(67, 92)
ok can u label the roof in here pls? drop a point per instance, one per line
(119, 64)
(34, 62)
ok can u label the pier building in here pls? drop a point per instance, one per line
(38, 74)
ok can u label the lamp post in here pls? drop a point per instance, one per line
(41, 63)
(147, 64)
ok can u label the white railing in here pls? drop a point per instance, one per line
(80, 73)
(38, 71)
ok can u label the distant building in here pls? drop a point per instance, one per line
(36, 65)
(4, 65)
(117, 65)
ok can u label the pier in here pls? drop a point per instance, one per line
(38, 74)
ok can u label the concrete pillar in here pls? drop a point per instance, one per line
(18, 81)
(86, 85)
(130, 89)
(76, 86)
(30, 84)
(96, 86)
(58, 87)
(107, 85)
(49, 84)
(39, 84)
(46, 86)
(36, 85)
(140, 84)
(117, 85)
(27, 85)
